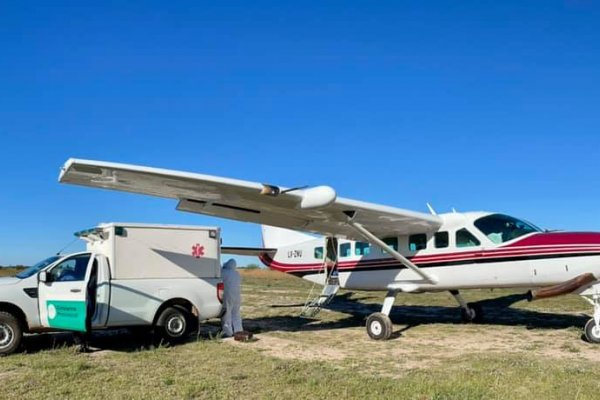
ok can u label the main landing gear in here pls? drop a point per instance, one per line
(379, 325)
(469, 312)
(592, 327)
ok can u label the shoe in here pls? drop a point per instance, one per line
(242, 336)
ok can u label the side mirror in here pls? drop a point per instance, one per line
(43, 276)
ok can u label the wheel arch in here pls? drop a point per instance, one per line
(17, 312)
(175, 302)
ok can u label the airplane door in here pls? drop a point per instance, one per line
(331, 257)
(63, 293)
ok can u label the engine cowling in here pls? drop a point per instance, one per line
(317, 197)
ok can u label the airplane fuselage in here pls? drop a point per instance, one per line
(459, 254)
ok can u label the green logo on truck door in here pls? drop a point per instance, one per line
(69, 315)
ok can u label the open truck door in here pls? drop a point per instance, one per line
(70, 293)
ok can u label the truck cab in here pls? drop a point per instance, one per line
(160, 276)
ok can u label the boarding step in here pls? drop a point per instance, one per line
(313, 307)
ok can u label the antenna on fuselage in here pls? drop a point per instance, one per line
(431, 209)
(454, 210)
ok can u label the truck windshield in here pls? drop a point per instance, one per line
(501, 228)
(37, 267)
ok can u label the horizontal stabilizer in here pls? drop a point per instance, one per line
(247, 251)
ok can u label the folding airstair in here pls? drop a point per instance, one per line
(332, 285)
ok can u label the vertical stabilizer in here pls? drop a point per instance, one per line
(279, 237)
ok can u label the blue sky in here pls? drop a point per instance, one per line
(481, 105)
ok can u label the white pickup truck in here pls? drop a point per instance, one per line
(167, 277)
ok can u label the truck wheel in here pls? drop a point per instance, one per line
(11, 333)
(193, 325)
(173, 324)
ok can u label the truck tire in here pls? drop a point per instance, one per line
(192, 321)
(173, 324)
(11, 333)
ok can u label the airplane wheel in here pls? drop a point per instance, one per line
(592, 333)
(379, 326)
(474, 315)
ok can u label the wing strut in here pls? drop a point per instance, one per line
(378, 242)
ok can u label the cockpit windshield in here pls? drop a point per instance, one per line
(37, 267)
(501, 228)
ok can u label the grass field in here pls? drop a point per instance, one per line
(523, 350)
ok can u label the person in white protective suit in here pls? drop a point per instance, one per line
(231, 321)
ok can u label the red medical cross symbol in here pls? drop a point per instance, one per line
(197, 251)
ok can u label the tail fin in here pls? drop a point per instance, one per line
(274, 237)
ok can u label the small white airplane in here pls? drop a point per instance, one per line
(367, 246)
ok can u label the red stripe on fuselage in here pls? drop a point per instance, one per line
(554, 243)
(425, 260)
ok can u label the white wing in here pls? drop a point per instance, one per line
(315, 210)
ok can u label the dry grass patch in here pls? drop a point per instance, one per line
(524, 348)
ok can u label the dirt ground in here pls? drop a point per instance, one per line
(428, 329)
(520, 348)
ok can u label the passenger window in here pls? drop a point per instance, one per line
(417, 242)
(345, 249)
(392, 242)
(441, 240)
(319, 253)
(362, 249)
(464, 238)
(72, 269)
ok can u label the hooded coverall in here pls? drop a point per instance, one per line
(231, 321)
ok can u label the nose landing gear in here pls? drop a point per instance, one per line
(592, 327)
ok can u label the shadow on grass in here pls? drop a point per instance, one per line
(496, 311)
(121, 340)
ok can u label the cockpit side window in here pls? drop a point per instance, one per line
(464, 238)
(501, 228)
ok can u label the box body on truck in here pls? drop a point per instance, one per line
(167, 277)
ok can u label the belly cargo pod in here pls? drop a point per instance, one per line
(157, 268)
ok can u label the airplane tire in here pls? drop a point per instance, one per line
(475, 316)
(592, 334)
(11, 333)
(379, 326)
